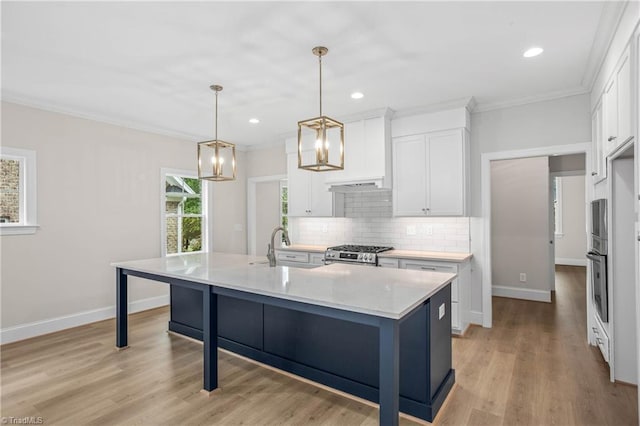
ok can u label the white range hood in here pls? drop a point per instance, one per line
(367, 156)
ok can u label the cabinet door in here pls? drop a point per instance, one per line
(445, 174)
(599, 163)
(610, 111)
(409, 176)
(298, 187)
(320, 199)
(623, 80)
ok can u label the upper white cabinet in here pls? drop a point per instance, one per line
(599, 165)
(307, 191)
(616, 104)
(367, 152)
(430, 174)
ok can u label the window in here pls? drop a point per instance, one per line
(284, 205)
(17, 191)
(557, 206)
(184, 213)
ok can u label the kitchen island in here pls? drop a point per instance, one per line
(377, 333)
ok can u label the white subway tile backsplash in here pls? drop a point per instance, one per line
(372, 227)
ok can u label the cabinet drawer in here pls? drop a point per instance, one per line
(293, 256)
(602, 340)
(316, 258)
(388, 263)
(425, 265)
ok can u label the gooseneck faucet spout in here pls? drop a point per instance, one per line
(271, 255)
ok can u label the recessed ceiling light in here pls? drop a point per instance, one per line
(357, 95)
(254, 121)
(534, 51)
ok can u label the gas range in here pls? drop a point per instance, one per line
(350, 253)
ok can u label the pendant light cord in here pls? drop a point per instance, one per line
(216, 129)
(320, 64)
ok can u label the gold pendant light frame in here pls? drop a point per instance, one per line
(320, 127)
(214, 152)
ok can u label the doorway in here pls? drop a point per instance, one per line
(264, 207)
(486, 253)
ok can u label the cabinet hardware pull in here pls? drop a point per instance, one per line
(599, 340)
(595, 330)
(612, 138)
(290, 257)
(593, 173)
(429, 268)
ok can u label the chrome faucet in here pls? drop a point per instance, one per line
(271, 255)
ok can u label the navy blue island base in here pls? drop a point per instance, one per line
(404, 365)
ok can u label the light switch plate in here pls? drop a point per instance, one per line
(441, 310)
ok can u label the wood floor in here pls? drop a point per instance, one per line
(533, 367)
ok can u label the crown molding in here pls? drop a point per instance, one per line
(484, 107)
(608, 24)
(26, 101)
(468, 102)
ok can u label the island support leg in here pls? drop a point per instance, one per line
(210, 338)
(121, 309)
(389, 373)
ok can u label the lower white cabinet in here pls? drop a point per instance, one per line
(601, 337)
(460, 288)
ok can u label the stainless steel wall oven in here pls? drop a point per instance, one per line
(598, 258)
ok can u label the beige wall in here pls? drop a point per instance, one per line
(269, 161)
(547, 123)
(98, 202)
(572, 245)
(520, 223)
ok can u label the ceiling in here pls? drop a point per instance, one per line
(148, 65)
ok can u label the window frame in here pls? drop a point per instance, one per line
(204, 204)
(28, 223)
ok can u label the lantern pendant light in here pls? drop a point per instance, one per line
(216, 157)
(320, 139)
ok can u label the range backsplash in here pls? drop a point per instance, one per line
(404, 233)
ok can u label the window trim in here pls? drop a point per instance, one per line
(204, 203)
(28, 196)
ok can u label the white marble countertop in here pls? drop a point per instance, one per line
(389, 293)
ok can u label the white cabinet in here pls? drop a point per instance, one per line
(430, 174)
(616, 101)
(599, 161)
(307, 191)
(600, 336)
(367, 152)
(460, 288)
(387, 262)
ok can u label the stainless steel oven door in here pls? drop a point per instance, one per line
(599, 284)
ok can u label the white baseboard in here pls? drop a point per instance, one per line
(38, 328)
(475, 317)
(522, 293)
(571, 262)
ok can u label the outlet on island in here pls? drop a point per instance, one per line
(523, 277)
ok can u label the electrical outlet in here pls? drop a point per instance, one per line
(523, 277)
(411, 230)
(428, 230)
(325, 228)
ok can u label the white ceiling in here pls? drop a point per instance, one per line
(149, 65)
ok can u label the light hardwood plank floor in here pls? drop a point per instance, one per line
(534, 367)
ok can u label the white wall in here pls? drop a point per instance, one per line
(269, 161)
(520, 227)
(98, 202)
(571, 246)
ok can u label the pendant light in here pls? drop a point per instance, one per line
(216, 157)
(320, 139)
